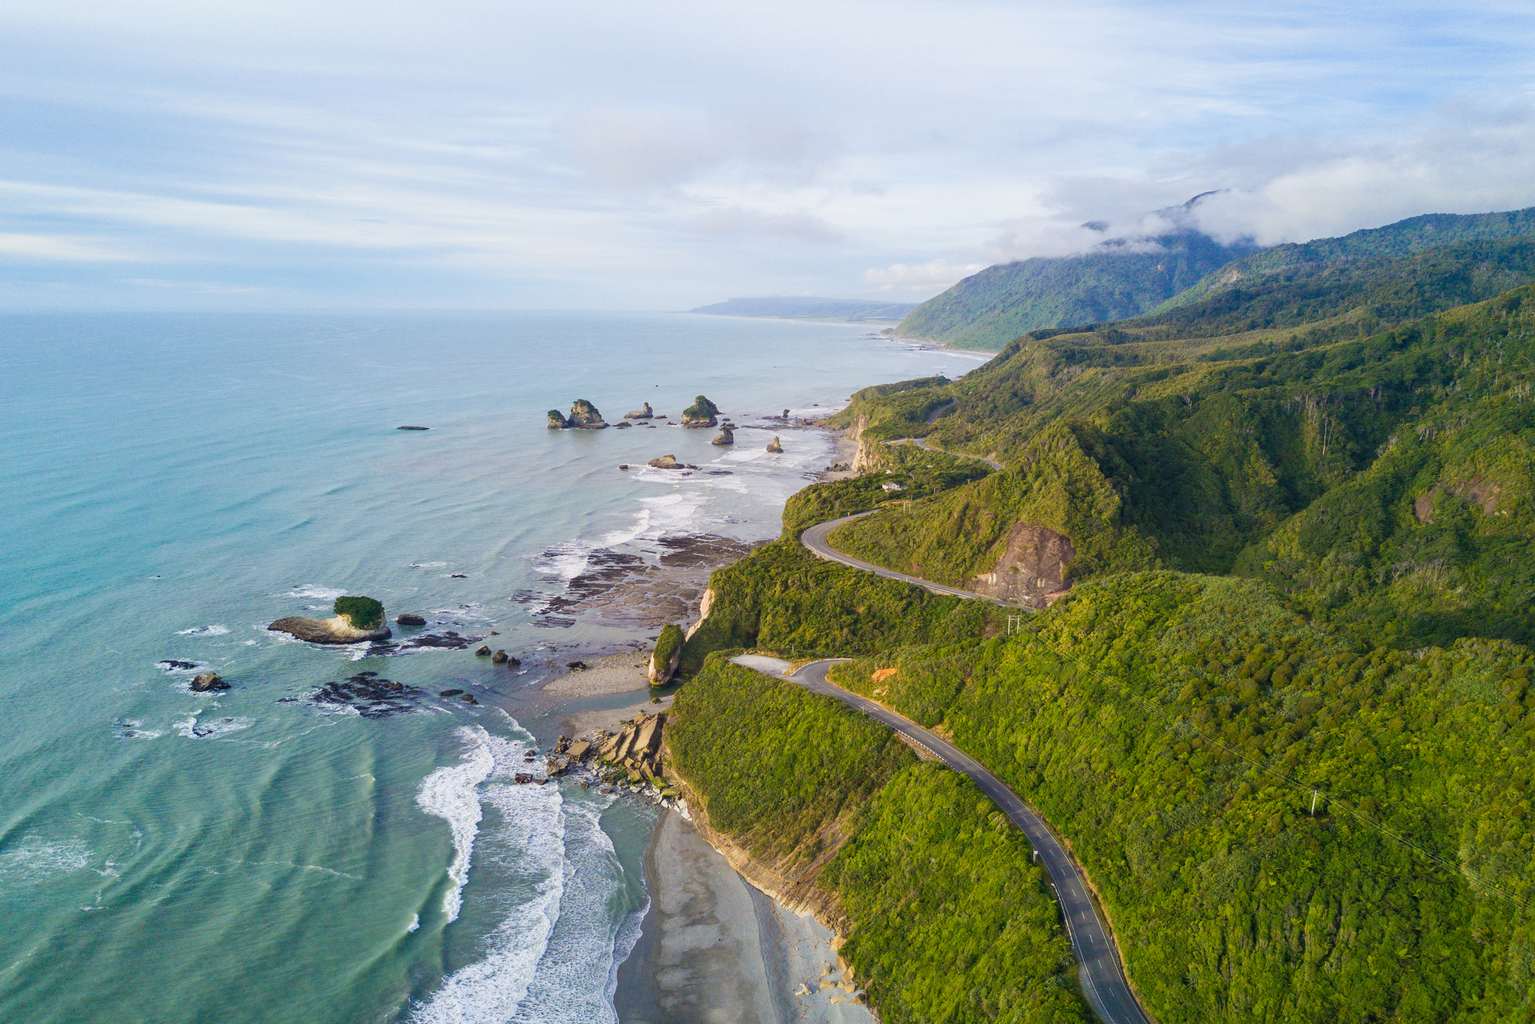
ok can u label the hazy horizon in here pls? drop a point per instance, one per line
(163, 156)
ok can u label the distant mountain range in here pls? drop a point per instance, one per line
(1117, 278)
(1169, 276)
(799, 307)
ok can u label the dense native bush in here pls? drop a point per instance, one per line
(947, 919)
(361, 612)
(783, 598)
(1175, 728)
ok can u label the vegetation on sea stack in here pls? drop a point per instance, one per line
(663, 660)
(361, 612)
(702, 413)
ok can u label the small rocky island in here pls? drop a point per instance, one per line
(726, 436)
(357, 619)
(702, 413)
(583, 416)
(644, 412)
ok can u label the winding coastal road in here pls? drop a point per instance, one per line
(814, 538)
(921, 442)
(1103, 981)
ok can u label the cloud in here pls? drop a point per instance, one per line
(588, 153)
(1468, 158)
(919, 279)
(31, 248)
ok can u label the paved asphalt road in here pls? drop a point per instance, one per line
(814, 538)
(1103, 981)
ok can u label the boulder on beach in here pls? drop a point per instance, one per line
(775, 446)
(665, 462)
(724, 437)
(702, 413)
(203, 682)
(410, 619)
(357, 618)
(644, 412)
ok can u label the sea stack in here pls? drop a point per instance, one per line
(702, 413)
(775, 446)
(644, 412)
(557, 420)
(725, 437)
(584, 416)
(357, 619)
(205, 682)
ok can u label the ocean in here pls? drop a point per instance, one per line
(169, 484)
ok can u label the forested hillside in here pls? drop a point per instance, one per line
(1112, 281)
(1280, 704)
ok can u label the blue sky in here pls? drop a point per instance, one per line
(281, 155)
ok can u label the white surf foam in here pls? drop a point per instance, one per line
(451, 793)
(315, 592)
(525, 846)
(215, 629)
(35, 859)
(577, 975)
(194, 728)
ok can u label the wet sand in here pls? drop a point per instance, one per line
(714, 950)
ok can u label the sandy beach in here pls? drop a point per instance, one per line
(714, 950)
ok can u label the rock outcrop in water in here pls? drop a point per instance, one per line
(357, 619)
(726, 436)
(702, 413)
(644, 412)
(583, 416)
(775, 446)
(335, 630)
(409, 619)
(205, 682)
(666, 462)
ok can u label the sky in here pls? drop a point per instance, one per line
(469, 154)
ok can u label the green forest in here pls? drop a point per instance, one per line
(1282, 716)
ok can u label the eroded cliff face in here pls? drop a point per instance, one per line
(1032, 569)
(866, 456)
(792, 885)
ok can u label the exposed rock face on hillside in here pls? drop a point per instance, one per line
(1032, 569)
(335, 630)
(702, 413)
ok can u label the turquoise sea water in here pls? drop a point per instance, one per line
(170, 484)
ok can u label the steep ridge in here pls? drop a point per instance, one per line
(1116, 278)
